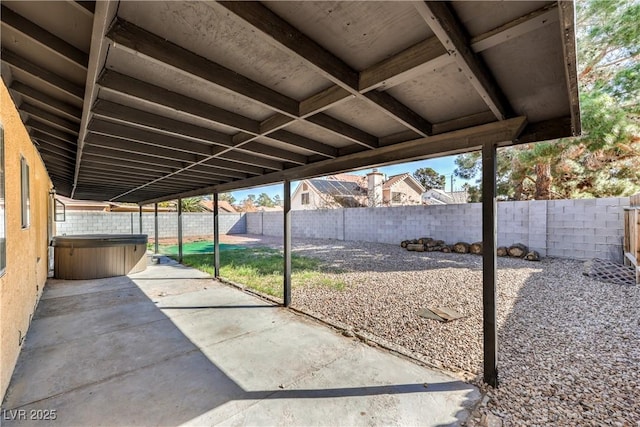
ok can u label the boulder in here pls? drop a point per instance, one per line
(476, 248)
(461, 248)
(532, 256)
(502, 251)
(518, 250)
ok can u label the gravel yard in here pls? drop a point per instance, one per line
(569, 346)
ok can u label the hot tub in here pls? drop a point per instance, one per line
(95, 256)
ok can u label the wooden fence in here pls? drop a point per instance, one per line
(632, 235)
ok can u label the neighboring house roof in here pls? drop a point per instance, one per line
(393, 180)
(338, 188)
(270, 208)
(223, 205)
(361, 180)
(444, 197)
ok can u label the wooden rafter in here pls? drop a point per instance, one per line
(289, 38)
(449, 30)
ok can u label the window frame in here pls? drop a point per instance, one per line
(304, 199)
(25, 193)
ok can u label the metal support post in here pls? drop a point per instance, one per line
(155, 227)
(180, 230)
(287, 243)
(216, 236)
(489, 226)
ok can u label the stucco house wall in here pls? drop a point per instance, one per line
(24, 278)
(410, 194)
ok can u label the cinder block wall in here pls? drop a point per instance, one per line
(586, 229)
(193, 223)
(579, 229)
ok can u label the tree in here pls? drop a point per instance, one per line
(277, 200)
(192, 204)
(605, 160)
(265, 200)
(429, 178)
(227, 197)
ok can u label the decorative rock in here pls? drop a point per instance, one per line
(461, 248)
(404, 243)
(417, 247)
(446, 249)
(476, 248)
(518, 250)
(502, 251)
(425, 240)
(532, 256)
(490, 420)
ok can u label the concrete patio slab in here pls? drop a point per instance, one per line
(171, 346)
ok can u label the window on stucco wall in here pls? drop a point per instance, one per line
(24, 191)
(305, 198)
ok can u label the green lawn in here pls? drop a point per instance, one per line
(262, 268)
(200, 247)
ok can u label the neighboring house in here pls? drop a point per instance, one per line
(223, 206)
(435, 196)
(400, 190)
(345, 190)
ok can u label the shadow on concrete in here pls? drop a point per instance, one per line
(104, 353)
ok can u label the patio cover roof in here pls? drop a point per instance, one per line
(146, 101)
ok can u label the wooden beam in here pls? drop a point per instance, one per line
(115, 143)
(324, 100)
(103, 14)
(149, 137)
(52, 43)
(455, 142)
(69, 112)
(405, 115)
(290, 39)
(567, 20)
(489, 266)
(294, 41)
(345, 130)
(273, 153)
(234, 166)
(450, 31)
(305, 143)
(127, 35)
(120, 83)
(50, 119)
(99, 145)
(49, 130)
(429, 51)
(51, 79)
(142, 119)
(532, 21)
(546, 130)
(253, 160)
(43, 138)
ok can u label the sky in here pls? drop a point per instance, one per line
(443, 165)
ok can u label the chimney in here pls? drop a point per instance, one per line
(374, 188)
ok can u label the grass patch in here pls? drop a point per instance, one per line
(262, 268)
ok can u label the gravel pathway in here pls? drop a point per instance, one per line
(569, 346)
